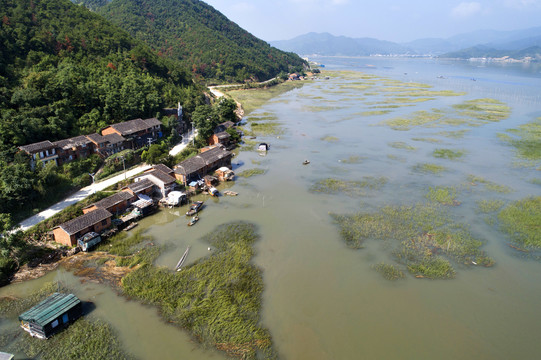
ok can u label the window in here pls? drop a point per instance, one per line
(54, 324)
(104, 222)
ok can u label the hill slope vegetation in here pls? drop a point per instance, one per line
(204, 40)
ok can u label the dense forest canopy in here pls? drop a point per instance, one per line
(65, 71)
(204, 40)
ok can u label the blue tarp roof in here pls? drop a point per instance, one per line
(50, 309)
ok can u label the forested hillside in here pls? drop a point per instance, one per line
(204, 40)
(65, 71)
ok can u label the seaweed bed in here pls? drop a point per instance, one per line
(526, 139)
(333, 186)
(424, 238)
(220, 297)
(521, 220)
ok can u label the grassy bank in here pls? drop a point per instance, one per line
(253, 99)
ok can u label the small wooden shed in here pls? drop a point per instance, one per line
(51, 315)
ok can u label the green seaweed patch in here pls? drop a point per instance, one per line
(329, 138)
(217, 299)
(448, 154)
(251, 172)
(418, 118)
(489, 185)
(316, 108)
(489, 206)
(458, 134)
(427, 140)
(374, 112)
(521, 220)
(484, 110)
(426, 265)
(526, 139)
(389, 271)
(402, 145)
(443, 195)
(423, 237)
(428, 168)
(333, 186)
(267, 128)
(260, 117)
(248, 145)
(397, 158)
(353, 159)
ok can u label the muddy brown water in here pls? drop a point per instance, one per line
(323, 300)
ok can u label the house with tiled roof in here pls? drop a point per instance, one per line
(163, 182)
(164, 168)
(107, 145)
(195, 168)
(115, 204)
(44, 151)
(96, 221)
(78, 147)
(142, 187)
(137, 132)
(222, 138)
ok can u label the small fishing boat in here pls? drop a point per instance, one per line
(230, 193)
(194, 208)
(306, 162)
(193, 220)
(182, 259)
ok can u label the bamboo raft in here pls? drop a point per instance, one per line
(182, 259)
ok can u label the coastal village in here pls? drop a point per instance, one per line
(148, 190)
(157, 186)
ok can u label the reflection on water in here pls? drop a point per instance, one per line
(323, 300)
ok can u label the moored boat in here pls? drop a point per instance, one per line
(194, 208)
(193, 220)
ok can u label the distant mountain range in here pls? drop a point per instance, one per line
(483, 43)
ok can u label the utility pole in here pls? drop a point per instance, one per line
(124, 166)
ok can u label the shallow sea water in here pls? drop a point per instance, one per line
(322, 300)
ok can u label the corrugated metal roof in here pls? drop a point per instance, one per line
(50, 309)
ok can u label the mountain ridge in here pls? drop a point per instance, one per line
(505, 42)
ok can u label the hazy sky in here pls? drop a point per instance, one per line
(392, 20)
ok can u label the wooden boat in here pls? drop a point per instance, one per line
(194, 208)
(182, 259)
(230, 193)
(131, 226)
(193, 220)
